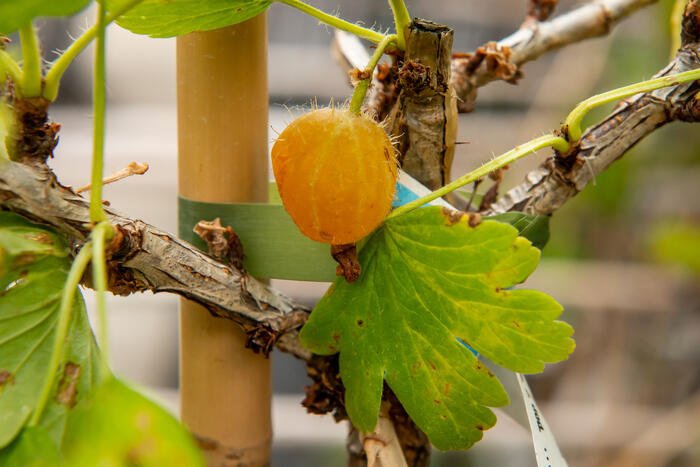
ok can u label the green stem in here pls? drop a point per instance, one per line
(401, 19)
(8, 67)
(102, 232)
(30, 84)
(675, 25)
(509, 157)
(358, 96)
(573, 121)
(97, 213)
(64, 318)
(53, 77)
(334, 21)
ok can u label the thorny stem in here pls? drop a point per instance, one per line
(401, 20)
(97, 213)
(30, 84)
(334, 21)
(675, 25)
(8, 67)
(509, 157)
(102, 232)
(53, 77)
(64, 318)
(573, 121)
(358, 96)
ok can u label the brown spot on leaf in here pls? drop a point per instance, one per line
(444, 417)
(348, 265)
(67, 386)
(515, 323)
(432, 365)
(480, 427)
(22, 260)
(480, 367)
(40, 238)
(474, 219)
(452, 216)
(360, 323)
(436, 401)
(336, 337)
(446, 389)
(6, 378)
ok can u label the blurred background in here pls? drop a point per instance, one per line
(623, 258)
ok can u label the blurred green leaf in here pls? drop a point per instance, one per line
(16, 13)
(168, 18)
(534, 228)
(34, 263)
(677, 243)
(120, 427)
(32, 448)
(428, 279)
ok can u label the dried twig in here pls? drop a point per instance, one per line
(382, 445)
(533, 39)
(134, 168)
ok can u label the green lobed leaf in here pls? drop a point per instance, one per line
(534, 228)
(16, 13)
(168, 18)
(118, 426)
(427, 280)
(34, 263)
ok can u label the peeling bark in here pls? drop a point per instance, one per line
(147, 258)
(424, 120)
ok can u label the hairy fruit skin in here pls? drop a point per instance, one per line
(336, 174)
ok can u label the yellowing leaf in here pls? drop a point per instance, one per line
(34, 266)
(120, 427)
(429, 279)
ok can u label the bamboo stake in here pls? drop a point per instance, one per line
(222, 124)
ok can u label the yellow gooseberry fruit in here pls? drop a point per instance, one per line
(336, 174)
